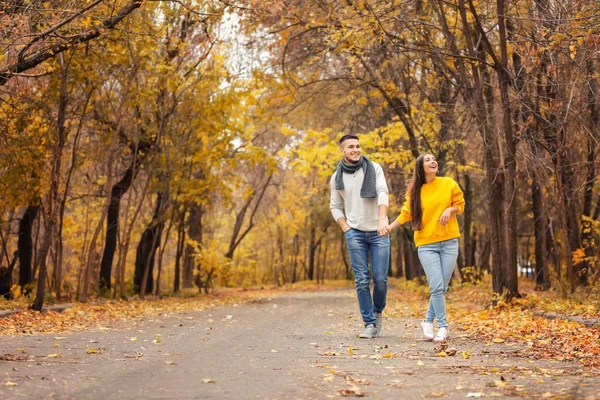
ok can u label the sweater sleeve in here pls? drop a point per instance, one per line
(458, 199)
(336, 202)
(405, 215)
(381, 186)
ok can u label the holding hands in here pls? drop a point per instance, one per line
(383, 228)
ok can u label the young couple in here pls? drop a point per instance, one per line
(359, 204)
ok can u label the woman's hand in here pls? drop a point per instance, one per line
(392, 226)
(445, 217)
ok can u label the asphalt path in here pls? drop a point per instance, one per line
(292, 346)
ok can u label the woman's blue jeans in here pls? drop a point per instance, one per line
(438, 261)
(361, 245)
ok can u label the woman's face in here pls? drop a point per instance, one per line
(429, 164)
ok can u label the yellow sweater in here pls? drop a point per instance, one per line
(436, 196)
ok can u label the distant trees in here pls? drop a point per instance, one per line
(150, 144)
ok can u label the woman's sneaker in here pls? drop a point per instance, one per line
(427, 330)
(370, 332)
(442, 335)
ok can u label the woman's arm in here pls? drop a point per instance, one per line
(393, 225)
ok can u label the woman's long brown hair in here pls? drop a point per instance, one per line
(414, 192)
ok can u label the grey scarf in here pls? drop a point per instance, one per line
(368, 189)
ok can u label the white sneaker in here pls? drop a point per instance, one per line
(369, 332)
(427, 330)
(442, 335)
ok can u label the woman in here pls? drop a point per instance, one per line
(431, 205)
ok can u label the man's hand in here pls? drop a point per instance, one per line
(382, 228)
(343, 224)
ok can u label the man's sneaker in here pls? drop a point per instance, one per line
(369, 332)
(379, 323)
(427, 330)
(442, 335)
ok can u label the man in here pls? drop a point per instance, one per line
(358, 188)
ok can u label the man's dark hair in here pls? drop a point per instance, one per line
(346, 137)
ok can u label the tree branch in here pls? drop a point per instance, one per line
(40, 56)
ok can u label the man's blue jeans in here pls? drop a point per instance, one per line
(360, 246)
(438, 261)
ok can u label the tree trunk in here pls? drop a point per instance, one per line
(114, 209)
(53, 199)
(146, 250)
(399, 259)
(194, 232)
(411, 262)
(542, 275)
(312, 248)
(112, 228)
(179, 251)
(296, 251)
(237, 235)
(481, 97)
(586, 233)
(511, 283)
(25, 246)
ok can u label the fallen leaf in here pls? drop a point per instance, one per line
(55, 355)
(208, 381)
(436, 394)
(136, 355)
(498, 340)
(91, 350)
(420, 363)
(10, 383)
(13, 357)
(354, 391)
(440, 348)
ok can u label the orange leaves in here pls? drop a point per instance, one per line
(514, 324)
(84, 316)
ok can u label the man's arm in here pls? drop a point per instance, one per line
(336, 204)
(382, 225)
(382, 201)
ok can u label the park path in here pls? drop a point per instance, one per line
(292, 346)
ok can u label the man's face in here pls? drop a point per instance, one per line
(351, 150)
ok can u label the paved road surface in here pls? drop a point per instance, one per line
(294, 346)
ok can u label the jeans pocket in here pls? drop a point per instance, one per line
(451, 246)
